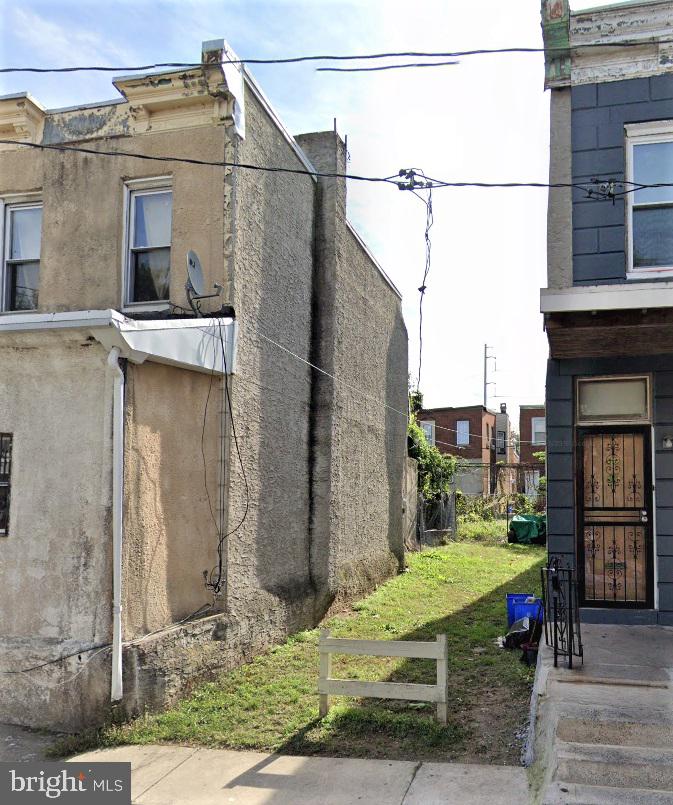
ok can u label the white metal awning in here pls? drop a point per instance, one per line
(196, 344)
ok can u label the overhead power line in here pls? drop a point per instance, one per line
(452, 54)
(594, 186)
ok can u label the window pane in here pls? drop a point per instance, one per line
(151, 275)
(652, 237)
(463, 432)
(24, 281)
(152, 223)
(613, 399)
(653, 163)
(539, 430)
(25, 226)
(429, 431)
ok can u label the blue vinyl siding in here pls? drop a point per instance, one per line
(599, 113)
(561, 510)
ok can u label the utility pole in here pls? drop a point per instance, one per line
(487, 382)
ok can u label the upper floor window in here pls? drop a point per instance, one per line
(539, 430)
(429, 431)
(650, 209)
(148, 238)
(21, 256)
(463, 432)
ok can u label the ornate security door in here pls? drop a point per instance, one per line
(615, 513)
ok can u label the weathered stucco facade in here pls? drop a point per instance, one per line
(314, 505)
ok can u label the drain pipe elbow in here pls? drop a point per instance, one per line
(116, 686)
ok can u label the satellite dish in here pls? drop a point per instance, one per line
(195, 273)
(195, 285)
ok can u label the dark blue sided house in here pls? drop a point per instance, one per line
(608, 307)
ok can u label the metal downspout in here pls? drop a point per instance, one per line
(116, 687)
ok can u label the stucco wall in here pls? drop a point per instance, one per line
(169, 536)
(268, 556)
(559, 209)
(55, 574)
(83, 215)
(359, 444)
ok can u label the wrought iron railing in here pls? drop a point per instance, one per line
(562, 629)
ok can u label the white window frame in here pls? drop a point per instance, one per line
(459, 441)
(132, 189)
(7, 204)
(533, 420)
(659, 131)
(431, 422)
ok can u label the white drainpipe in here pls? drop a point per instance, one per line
(116, 688)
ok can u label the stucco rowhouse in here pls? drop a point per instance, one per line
(296, 475)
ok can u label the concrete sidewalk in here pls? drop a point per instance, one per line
(176, 775)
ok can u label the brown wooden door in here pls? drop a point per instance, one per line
(615, 512)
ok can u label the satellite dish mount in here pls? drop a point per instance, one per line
(195, 285)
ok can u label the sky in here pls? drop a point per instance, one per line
(485, 119)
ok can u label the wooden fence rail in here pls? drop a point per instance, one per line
(438, 651)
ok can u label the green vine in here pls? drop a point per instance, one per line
(435, 469)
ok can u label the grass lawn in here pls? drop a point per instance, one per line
(493, 531)
(271, 703)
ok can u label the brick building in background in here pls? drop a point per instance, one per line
(470, 433)
(533, 439)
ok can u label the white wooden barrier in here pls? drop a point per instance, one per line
(439, 651)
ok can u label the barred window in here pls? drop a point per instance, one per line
(5, 481)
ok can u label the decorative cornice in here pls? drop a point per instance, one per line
(556, 36)
(196, 97)
(646, 22)
(21, 118)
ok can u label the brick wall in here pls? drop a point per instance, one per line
(478, 417)
(526, 433)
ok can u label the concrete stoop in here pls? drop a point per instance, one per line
(611, 761)
(604, 733)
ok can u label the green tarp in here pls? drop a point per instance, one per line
(528, 528)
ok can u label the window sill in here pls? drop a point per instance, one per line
(146, 307)
(649, 273)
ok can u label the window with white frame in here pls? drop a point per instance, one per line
(538, 429)
(428, 427)
(148, 239)
(462, 432)
(21, 256)
(650, 209)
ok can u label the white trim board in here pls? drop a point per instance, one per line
(620, 296)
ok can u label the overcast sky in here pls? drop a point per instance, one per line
(485, 119)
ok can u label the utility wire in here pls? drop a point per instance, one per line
(353, 57)
(395, 179)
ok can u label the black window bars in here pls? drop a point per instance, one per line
(5, 481)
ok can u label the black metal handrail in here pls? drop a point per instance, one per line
(562, 629)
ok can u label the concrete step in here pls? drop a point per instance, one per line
(615, 766)
(619, 710)
(614, 733)
(561, 793)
